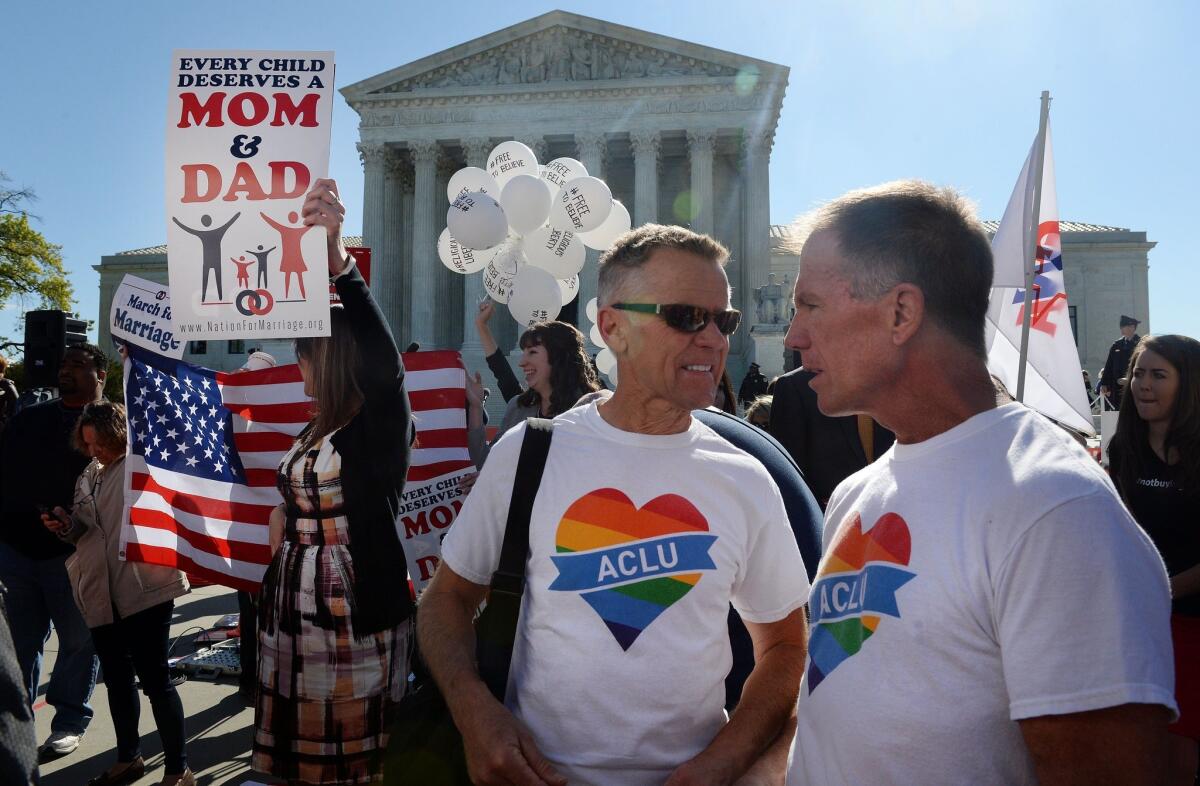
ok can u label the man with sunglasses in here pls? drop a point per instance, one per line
(985, 611)
(647, 525)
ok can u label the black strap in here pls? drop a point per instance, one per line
(509, 577)
(496, 627)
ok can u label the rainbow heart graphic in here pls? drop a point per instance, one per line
(855, 589)
(630, 564)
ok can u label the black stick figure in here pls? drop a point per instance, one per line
(210, 241)
(261, 256)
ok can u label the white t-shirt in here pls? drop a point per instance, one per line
(986, 575)
(638, 544)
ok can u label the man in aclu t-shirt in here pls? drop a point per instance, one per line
(646, 526)
(985, 610)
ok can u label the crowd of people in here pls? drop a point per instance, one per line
(981, 603)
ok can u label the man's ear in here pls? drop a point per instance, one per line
(613, 328)
(907, 312)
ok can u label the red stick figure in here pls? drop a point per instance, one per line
(243, 274)
(292, 260)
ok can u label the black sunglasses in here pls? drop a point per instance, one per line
(689, 319)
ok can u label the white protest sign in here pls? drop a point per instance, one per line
(426, 512)
(141, 315)
(247, 134)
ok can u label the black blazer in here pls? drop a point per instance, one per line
(374, 447)
(826, 449)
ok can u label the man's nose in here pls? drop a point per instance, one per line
(797, 337)
(709, 336)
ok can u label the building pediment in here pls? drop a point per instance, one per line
(555, 50)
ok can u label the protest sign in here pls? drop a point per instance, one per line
(247, 135)
(141, 315)
(427, 511)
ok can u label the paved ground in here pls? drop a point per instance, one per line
(218, 724)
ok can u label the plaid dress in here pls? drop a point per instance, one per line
(324, 694)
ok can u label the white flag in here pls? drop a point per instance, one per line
(1053, 377)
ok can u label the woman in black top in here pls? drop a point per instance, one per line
(557, 373)
(335, 627)
(1155, 462)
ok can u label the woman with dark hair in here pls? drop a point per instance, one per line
(127, 605)
(557, 372)
(1155, 462)
(335, 616)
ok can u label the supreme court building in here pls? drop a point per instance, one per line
(682, 134)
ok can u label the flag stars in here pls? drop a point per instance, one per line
(172, 433)
(217, 466)
(192, 461)
(165, 455)
(187, 394)
(199, 440)
(204, 383)
(161, 418)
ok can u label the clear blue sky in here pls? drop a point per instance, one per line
(946, 91)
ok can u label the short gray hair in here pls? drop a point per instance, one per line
(909, 231)
(631, 250)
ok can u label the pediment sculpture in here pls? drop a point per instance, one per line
(560, 54)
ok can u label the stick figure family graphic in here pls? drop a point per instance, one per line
(291, 257)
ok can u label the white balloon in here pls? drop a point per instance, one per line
(591, 308)
(569, 288)
(559, 252)
(461, 259)
(471, 178)
(582, 205)
(602, 237)
(502, 269)
(606, 361)
(535, 296)
(526, 203)
(596, 336)
(509, 159)
(561, 170)
(477, 221)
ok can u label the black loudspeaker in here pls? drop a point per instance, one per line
(47, 336)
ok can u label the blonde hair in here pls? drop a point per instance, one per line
(108, 419)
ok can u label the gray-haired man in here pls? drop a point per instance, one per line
(646, 527)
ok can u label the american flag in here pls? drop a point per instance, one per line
(204, 447)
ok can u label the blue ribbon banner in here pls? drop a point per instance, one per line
(870, 591)
(643, 559)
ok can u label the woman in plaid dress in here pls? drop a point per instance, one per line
(335, 620)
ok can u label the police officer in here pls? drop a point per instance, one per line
(1118, 361)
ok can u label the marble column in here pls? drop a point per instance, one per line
(375, 160)
(424, 251)
(645, 176)
(448, 284)
(756, 222)
(476, 149)
(386, 267)
(593, 147)
(700, 151)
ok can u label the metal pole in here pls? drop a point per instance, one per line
(1031, 257)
